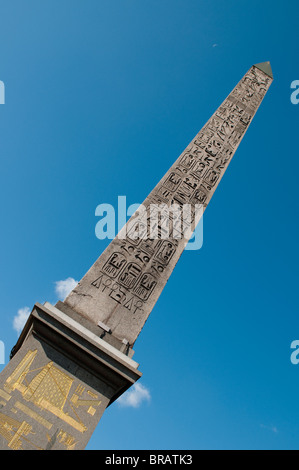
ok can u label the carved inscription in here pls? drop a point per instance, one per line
(119, 293)
(135, 269)
(138, 264)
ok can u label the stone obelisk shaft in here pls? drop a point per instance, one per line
(123, 285)
(73, 360)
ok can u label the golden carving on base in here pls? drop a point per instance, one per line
(48, 388)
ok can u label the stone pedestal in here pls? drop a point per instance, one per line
(59, 381)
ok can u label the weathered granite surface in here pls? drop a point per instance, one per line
(123, 285)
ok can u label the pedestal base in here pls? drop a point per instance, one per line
(58, 383)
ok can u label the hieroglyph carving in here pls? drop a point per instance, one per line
(123, 285)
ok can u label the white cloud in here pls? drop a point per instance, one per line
(270, 428)
(63, 288)
(215, 45)
(20, 319)
(135, 396)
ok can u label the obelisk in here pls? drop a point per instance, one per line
(74, 359)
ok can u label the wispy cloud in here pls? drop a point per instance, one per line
(63, 288)
(215, 45)
(135, 396)
(20, 319)
(269, 428)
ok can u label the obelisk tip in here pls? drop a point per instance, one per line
(265, 67)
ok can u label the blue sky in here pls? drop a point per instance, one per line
(100, 98)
